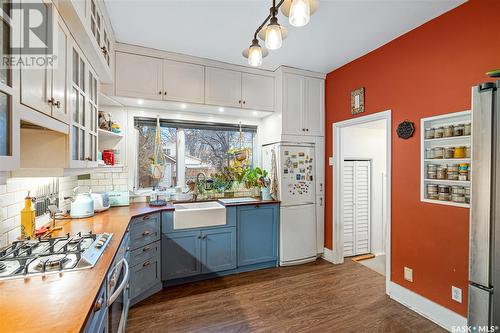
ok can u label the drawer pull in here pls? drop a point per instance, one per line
(147, 248)
(98, 304)
(145, 218)
(145, 233)
(146, 263)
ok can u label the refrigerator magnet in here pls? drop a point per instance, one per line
(297, 177)
(287, 152)
(301, 154)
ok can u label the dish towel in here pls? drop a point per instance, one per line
(274, 176)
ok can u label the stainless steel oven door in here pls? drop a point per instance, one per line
(118, 301)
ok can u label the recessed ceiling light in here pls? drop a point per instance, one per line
(183, 106)
(140, 101)
(221, 109)
(255, 113)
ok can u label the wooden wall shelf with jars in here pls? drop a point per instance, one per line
(446, 159)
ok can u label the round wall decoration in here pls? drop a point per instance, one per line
(405, 129)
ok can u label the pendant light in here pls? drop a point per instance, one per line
(299, 11)
(273, 35)
(255, 53)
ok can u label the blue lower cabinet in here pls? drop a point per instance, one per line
(145, 275)
(218, 249)
(181, 254)
(257, 234)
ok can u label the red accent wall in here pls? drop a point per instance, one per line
(428, 71)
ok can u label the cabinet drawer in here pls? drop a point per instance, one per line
(144, 275)
(144, 253)
(144, 230)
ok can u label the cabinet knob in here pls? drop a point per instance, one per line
(145, 249)
(199, 236)
(159, 92)
(244, 102)
(58, 104)
(98, 304)
(239, 102)
(303, 130)
(165, 93)
(51, 101)
(145, 233)
(307, 129)
(146, 263)
(104, 50)
(145, 218)
(204, 237)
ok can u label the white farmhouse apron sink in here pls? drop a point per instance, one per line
(199, 215)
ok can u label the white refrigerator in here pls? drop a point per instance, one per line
(295, 165)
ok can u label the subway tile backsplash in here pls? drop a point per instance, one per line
(105, 181)
(12, 201)
(12, 196)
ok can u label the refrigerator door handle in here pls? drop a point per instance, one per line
(481, 187)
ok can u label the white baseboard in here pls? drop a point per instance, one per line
(327, 255)
(430, 310)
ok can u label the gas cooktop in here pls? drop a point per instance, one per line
(51, 255)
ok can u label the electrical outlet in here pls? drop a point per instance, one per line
(456, 294)
(408, 274)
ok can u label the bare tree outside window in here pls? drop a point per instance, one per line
(206, 151)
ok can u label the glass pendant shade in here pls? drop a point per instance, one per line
(273, 36)
(300, 13)
(255, 55)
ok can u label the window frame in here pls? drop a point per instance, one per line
(188, 124)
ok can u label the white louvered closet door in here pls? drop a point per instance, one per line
(356, 207)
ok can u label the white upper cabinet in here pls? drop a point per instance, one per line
(222, 87)
(36, 85)
(183, 82)
(46, 89)
(257, 92)
(138, 76)
(314, 112)
(293, 104)
(303, 105)
(60, 77)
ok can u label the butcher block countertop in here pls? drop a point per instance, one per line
(60, 302)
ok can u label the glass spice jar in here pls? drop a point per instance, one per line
(429, 133)
(459, 130)
(448, 131)
(438, 132)
(467, 129)
(449, 152)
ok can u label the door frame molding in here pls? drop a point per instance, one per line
(338, 158)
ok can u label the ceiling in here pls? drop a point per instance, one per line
(339, 32)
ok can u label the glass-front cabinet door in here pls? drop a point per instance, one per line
(83, 109)
(91, 124)
(7, 128)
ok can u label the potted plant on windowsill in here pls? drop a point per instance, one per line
(257, 177)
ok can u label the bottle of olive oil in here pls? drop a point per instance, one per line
(28, 218)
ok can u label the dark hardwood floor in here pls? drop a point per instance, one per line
(317, 297)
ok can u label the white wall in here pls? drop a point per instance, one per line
(368, 141)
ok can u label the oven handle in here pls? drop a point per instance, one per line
(122, 286)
